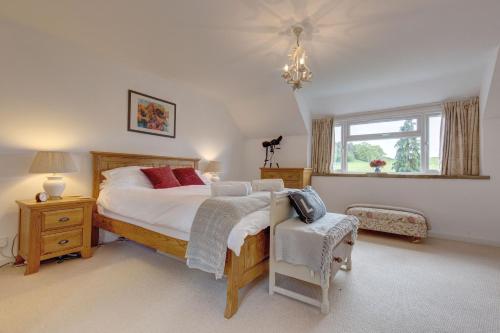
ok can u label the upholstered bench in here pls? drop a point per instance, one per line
(394, 220)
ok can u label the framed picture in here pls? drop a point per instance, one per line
(150, 115)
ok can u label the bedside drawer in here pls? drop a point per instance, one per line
(62, 218)
(282, 175)
(61, 241)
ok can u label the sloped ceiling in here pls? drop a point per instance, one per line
(365, 54)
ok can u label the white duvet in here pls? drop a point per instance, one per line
(171, 211)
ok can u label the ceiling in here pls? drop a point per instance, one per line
(365, 54)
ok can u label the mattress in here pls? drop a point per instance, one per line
(171, 211)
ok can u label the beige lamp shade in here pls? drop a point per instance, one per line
(52, 162)
(213, 166)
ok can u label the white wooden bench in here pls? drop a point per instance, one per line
(282, 211)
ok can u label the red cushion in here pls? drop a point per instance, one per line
(162, 177)
(187, 176)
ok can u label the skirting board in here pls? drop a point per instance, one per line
(4, 261)
(464, 239)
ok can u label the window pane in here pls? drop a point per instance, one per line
(391, 126)
(401, 155)
(337, 152)
(434, 143)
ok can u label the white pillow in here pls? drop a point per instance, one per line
(203, 177)
(269, 185)
(130, 176)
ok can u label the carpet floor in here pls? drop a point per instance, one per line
(394, 286)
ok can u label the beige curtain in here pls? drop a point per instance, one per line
(322, 138)
(460, 131)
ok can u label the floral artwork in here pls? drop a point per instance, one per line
(151, 115)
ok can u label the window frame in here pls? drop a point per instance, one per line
(421, 114)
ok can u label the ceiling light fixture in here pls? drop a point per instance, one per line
(296, 71)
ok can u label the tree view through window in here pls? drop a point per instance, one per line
(409, 145)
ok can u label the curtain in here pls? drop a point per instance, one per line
(322, 135)
(460, 138)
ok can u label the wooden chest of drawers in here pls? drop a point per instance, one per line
(53, 228)
(292, 177)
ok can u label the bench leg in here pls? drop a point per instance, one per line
(272, 281)
(348, 263)
(415, 239)
(325, 303)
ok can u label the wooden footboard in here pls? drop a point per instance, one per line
(240, 270)
(248, 266)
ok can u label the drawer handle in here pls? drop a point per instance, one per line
(64, 241)
(338, 259)
(351, 243)
(64, 219)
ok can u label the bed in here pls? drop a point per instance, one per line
(240, 270)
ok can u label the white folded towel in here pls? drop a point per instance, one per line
(230, 189)
(270, 185)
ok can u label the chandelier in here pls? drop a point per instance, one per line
(296, 71)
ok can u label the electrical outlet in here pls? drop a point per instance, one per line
(4, 241)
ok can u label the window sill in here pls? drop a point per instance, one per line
(392, 175)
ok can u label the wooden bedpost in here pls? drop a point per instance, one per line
(241, 270)
(94, 238)
(233, 275)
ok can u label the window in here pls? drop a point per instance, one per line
(434, 142)
(337, 158)
(408, 143)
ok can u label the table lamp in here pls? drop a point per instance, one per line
(53, 162)
(214, 168)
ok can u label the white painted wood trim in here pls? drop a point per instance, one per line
(471, 240)
(297, 296)
(419, 112)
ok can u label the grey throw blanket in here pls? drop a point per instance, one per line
(212, 224)
(312, 244)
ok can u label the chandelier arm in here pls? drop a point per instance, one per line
(296, 71)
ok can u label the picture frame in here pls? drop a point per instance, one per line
(151, 115)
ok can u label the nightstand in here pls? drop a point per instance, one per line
(53, 228)
(292, 177)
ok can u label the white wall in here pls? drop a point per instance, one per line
(428, 90)
(305, 111)
(54, 96)
(293, 153)
(457, 209)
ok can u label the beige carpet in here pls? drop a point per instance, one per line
(395, 286)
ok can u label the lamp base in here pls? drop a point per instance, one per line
(214, 177)
(54, 186)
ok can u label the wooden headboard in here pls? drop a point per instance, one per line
(103, 161)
